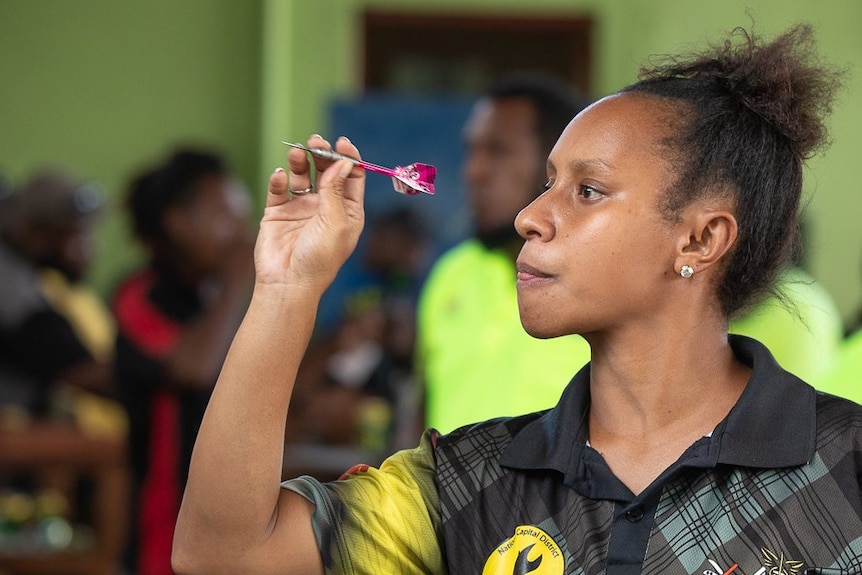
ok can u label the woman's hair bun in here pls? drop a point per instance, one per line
(782, 81)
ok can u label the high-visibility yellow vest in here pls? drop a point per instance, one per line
(845, 377)
(474, 357)
(805, 341)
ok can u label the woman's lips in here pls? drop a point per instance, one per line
(529, 274)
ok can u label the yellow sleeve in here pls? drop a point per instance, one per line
(377, 521)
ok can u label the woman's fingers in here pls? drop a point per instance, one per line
(300, 177)
(277, 189)
(346, 180)
(320, 164)
(354, 184)
(342, 191)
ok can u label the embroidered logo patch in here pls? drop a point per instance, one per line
(529, 551)
(778, 564)
(773, 564)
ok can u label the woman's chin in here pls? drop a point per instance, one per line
(540, 330)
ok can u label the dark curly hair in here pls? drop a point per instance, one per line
(753, 112)
(173, 183)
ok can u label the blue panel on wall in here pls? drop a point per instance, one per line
(398, 130)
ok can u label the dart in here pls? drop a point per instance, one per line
(411, 179)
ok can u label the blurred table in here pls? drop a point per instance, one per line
(55, 450)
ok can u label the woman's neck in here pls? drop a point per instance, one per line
(650, 402)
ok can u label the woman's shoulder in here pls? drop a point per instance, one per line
(839, 425)
(834, 405)
(481, 441)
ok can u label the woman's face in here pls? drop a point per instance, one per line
(598, 254)
(208, 228)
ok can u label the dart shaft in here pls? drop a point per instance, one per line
(335, 156)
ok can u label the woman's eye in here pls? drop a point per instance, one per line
(547, 186)
(589, 193)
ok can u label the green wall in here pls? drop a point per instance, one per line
(103, 87)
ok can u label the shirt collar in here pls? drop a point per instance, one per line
(771, 426)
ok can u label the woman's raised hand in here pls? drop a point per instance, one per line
(305, 238)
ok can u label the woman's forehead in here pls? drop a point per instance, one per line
(614, 129)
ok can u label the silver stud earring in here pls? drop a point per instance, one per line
(686, 271)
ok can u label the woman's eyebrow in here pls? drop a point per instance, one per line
(590, 164)
(583, 165)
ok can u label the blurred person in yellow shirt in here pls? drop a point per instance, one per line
(804, 333)
(57, 334)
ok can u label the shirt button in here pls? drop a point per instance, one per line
(635, 514)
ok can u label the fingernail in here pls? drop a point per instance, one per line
(277, 170)
(346, 139)
(315, 136)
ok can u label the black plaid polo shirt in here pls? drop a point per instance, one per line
(774, 490)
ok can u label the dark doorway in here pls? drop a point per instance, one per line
(463, 54)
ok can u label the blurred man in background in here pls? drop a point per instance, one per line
(474, 356)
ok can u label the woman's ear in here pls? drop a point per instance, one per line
(712, 234)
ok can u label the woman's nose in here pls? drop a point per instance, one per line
(535, 221)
